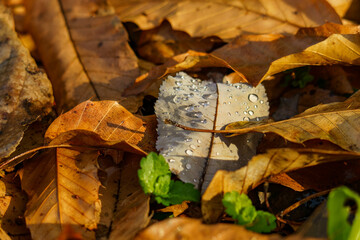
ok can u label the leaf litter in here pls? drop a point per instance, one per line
(108, 140)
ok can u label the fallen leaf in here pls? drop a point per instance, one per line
(84, 48)
(161, 43)
(256, 57)
(334, 122)
(26, 93)
(189, 228)
(110, 121)
(132, 210)
(193, 156)
(62, 185)
(227, 19)
(261, 166)
(12, 207)
(341, 6)
(176, 209)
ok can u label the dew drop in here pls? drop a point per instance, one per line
(188, 139)
(257, 119)
(261, 101)
(237, 113)
(203, 121)
(176, 88)
(245, 112)
(229, 114)
(224, 103)
(176, 99)
(194, 114)
(206, 96)
(246, 119)
(229, 102)
(189, 108)
(188, 166)
(185, 98)
(247, 108)
(217, 153)
(190, 95)
(188, 152)
(238, 86)
(172, 160)
(247, 140)
(230, 97)
(178, 83)
(192, 146)
(255, 106)
(199, 141)
(195, 180)
(204, 104)
(251, 113)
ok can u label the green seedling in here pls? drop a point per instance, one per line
(155, 179)
(344, 214)
(240, 208)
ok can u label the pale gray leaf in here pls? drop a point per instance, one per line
(196, 156)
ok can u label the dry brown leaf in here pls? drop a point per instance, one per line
(256, 57)
(189, 228)
(12, 207)
(334, 122)
(176, 209)
(274, 161)
(110, 121)
(161, 43)
(225, 18)
(84, 48)
(25, 94)
(132, 210)
(62, 185)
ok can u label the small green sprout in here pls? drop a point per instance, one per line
(240, 208)
(155, 179)
(340, 202)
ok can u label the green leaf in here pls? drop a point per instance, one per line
(264, 222)
(339, 226)
(155, 178)
(154, 174)
(239, 207)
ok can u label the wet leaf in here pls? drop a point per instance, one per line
(84, 48)
(195, 156)
(26, 92)
(227, 19)
(274, 161)
(335, 122)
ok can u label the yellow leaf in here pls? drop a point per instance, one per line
(227, 19)
(261, 166)
(334, 122)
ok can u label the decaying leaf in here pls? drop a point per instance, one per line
(193, 156)
(274, 161)
(256, 57)
(63, 187)
(12, 207)
(188, 228)
(25, 94)
(335, 122)
(132, 210)
(84, 48)
(110, 121)
(227, 19)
